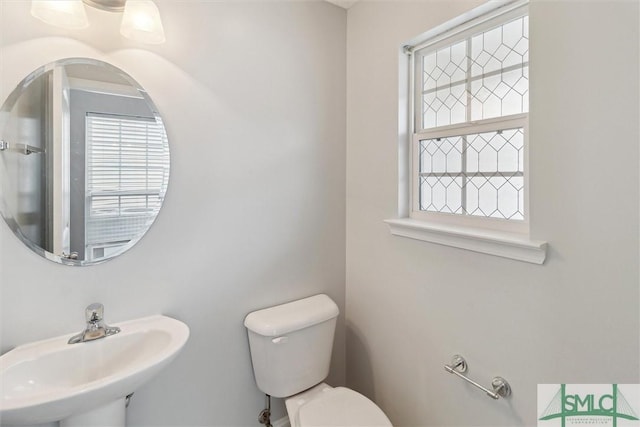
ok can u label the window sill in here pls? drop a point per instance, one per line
(502, 244)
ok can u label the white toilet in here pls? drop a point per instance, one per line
(291, 348)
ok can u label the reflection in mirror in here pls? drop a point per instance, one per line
(84, 161)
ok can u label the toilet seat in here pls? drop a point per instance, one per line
(339, 406)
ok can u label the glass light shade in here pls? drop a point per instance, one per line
(61, 13)
(141, 22)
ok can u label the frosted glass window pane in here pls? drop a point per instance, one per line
(441, 194)
(430, 75)
(441, 155)
(478, 174)
(445, 106)
(495, 197)
(494, 71)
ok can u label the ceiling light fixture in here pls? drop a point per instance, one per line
(108, 5)
(61, 13)
(140, 21)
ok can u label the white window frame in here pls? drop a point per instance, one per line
(502, 237)
(482, 126)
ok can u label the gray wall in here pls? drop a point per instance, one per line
(411, 305)
(253, 99)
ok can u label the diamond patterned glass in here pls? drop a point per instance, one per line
(484, 76)
(479, 174)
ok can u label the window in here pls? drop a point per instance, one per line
(466, 182)
(127, 166)
(471, 102)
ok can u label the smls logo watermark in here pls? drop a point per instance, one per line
(578, 405)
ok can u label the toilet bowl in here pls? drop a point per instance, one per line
(326, 406)
(291, 347)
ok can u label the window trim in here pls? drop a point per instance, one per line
(478, 234)
(492, 242)
(460, 28)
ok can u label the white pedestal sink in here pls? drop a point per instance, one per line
(85, 384)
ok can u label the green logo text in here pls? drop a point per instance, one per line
(565, 405)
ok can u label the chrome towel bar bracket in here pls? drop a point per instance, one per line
(500, 386)
(20, 148)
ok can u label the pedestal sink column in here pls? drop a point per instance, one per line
(109, 415)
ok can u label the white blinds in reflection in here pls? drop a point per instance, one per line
(126, 166)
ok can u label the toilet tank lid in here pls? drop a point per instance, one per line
(292, 316)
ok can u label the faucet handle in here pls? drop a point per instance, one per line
(94, 313)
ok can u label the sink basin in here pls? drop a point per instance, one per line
(52, 380)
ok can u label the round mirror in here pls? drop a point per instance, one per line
(84, 161)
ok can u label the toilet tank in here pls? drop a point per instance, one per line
(291, 344)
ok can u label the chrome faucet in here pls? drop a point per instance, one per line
(96, 328)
